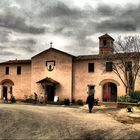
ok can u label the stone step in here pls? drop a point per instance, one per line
(111, 104)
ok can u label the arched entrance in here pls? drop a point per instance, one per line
(109, 92)
(7, 88)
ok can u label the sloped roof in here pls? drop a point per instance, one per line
(106, 36)
(54, 50)
(47, 79)
(16, 62)
(110, 56)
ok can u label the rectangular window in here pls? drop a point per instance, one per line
(7, 70)
(90, 67)
(18, 70)
(91, 89)
(11, 90)
(108, 66)
(104, 41)
(128, 66)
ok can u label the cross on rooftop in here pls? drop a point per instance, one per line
(51, 44)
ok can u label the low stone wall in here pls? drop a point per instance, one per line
(125, 104)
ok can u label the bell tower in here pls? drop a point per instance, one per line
(106, 44)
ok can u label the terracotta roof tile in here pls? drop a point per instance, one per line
(16, 62)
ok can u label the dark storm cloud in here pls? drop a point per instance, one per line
(27, 45)
(114, 25)
(76, 22)
(106, 10)
(18, 24)
(61, 10)
(4, 51)
(20, 45)
(57, 18)
(127, 19)
(31, 41)
(4, 35)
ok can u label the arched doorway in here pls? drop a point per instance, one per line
(109, 92)
(7, 88)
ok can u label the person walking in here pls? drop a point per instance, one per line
(90, 102)
(4, 99)
(36, 97)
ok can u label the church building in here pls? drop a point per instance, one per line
(57, 73)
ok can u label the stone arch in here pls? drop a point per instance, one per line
(6, 81)
(109, 90)
(107, 81)
(6, 86)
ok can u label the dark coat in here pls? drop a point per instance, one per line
(90, 100)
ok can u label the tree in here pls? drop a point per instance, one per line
(126, 61)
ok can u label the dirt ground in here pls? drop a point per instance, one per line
(57, 122)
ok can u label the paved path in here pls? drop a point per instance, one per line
(51, 122)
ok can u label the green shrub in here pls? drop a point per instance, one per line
(79, 102)
(73, 101)
(28, 99)
(122, 99)
(66, 102)
(13, 100)
(136, 95)
(134, 100)
(126, 99)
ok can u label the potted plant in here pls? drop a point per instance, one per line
(129, 108)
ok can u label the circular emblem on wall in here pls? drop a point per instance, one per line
(50, 67)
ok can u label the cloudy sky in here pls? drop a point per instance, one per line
(28, 26)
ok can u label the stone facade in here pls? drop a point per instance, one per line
(57, 73)
(20, 84)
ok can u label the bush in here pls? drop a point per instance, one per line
(13, 100)
(66, 102)
(136, 95)
(79, 102)
(134, 100)
(122, 99)
(126, 99)
(28, 99)
(73, 101)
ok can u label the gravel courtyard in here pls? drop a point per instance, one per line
(56, 122)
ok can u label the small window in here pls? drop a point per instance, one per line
(128, 66)
(90, 67)
(18, 70)
(11, 90)
(104, 41)
(91, 89)
(108, 66)
(7, 70)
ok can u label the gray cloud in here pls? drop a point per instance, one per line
(3, 35)
(61, 10)
(60, 19)
(18, 24)
(17, 20)
(5, 51)
(121, 19)
(113, 25)
(26, 45)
